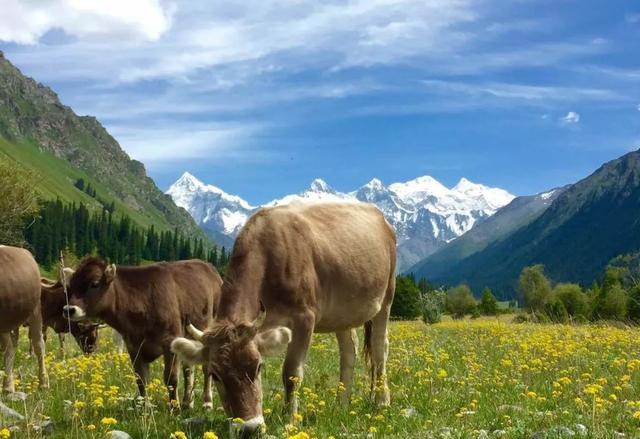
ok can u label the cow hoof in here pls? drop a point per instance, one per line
(44, 383)
(207, 406)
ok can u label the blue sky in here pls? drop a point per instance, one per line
(261, 96)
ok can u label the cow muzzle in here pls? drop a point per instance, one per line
(252, 428)
(73, 312)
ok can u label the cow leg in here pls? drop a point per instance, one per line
(293, 370)
(61, 340)
(171, 366)
(208, 390)
(187, 398)
(9, 354)
(15, 336)
(141, 369)
(37, 341)
(118, 341)
(379, 353)
(348, 344)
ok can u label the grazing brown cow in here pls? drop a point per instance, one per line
(53, 301)
(20, 304)
(149, 306)
(323, 267)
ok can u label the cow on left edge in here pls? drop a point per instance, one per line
(20, 304)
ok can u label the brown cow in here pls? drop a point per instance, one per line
(53, 301)
(321, 267)
(149, 306)
(20, 304)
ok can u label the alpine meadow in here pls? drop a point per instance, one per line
(319, 220)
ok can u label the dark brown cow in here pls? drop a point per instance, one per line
(149, 306)
(53, 300)
(20, 304)
(319, 267)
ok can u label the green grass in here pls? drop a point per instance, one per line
(55, 178)
(454, 379)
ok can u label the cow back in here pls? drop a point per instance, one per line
(19, 287)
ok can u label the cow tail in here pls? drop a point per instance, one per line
(366, 349)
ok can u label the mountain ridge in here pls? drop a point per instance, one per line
(425, 214)
(588, 224)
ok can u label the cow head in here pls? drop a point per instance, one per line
(88, 288)
(86, 335)
(52, 302)
(232, 354)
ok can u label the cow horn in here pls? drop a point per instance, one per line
(110, 273)
(257, 323)
(194, 332)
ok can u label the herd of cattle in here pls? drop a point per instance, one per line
(294, 270)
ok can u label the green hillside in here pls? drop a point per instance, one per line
(55, 178)
(590, 223)
(44, 135)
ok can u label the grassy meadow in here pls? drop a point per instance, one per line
(479, 378)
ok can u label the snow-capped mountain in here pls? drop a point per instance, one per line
(424, 213)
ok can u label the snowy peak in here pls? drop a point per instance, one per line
(321, 186)
(188, 185)
(424, 213)
(418, 189)
(494, 198)
(211, 207)
(188, 182)
(465, 185)
(319, 190)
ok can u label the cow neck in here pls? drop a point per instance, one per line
(111, 316)
(242, 289)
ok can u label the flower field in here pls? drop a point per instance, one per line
(458, 379)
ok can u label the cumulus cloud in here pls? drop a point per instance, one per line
(571, 118)
(26, 22)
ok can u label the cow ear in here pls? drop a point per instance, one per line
(68, 273)
(189, 351)
(274, 341)
(110, 273)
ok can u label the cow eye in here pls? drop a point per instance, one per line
(95, 283)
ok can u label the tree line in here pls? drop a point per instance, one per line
(615, 296)
(75, 229)
(419, 298)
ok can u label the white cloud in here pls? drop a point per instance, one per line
(25, 22)
(632, 18)
(525, 92)
(571, 118)
(186, 141)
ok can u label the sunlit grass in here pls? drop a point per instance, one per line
(467, 379)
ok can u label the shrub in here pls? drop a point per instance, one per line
(534, 287)
(633, 304)
(432, 306)
(460, 301)
(556, 310)
(488, 304)
(611, 304)
(573, 299)
(406, 302)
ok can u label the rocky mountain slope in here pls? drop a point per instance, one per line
(424, 213)
(32, 116)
